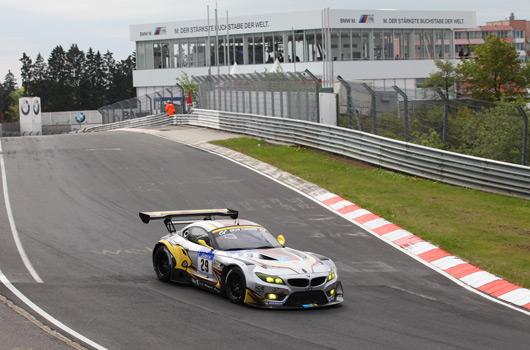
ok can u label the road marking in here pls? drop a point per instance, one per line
(11, 219)
(46, 315)
(134, 251)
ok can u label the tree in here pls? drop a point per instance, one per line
(57, 77)
(7, 96)
(445, 78)
(494, 73)
(122, 85)
(75, 66)
(74, 80)
(189, 85)
(26, 72)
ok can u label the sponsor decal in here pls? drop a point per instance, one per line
(160, 31)
(366, 19)
(205, 264)
(309, 305)
(270, 302)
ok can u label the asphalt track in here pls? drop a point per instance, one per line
(75, 201)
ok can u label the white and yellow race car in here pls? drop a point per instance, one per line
(242, 260)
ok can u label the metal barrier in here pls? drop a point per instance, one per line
(430, 163)
(145, 105)
(160, 119)
(448, 167)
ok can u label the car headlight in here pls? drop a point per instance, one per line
(270, 279)
(331, 275)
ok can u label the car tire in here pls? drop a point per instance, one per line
(162, 264)
(235, 285)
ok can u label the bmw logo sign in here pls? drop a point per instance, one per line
(80, 117)
(25, 108)
(36, 107)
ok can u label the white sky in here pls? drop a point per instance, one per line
(34, 27)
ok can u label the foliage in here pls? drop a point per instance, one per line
(494, 73)
(491, 132)
(73, 80)
(8, 104)
(445, 78)
(189, 85)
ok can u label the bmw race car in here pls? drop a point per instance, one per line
(242, 260)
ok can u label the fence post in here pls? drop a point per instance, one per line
(373, 106)
(150, 103)
(317, 91)
(446, 112)
(264, 85)
(350, 107)
(295, 79)
(183, 100)
(525, 134)
(270, 79)
(405, 111)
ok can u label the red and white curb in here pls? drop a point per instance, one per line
(438, 258)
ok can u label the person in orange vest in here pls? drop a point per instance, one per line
(170, 108)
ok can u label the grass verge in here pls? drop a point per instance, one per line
(490, 231)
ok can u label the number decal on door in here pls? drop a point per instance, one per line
(205, 264)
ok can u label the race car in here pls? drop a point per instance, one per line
(242, 260)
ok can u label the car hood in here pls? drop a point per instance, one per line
(282, 261)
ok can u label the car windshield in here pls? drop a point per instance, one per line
(243, 238)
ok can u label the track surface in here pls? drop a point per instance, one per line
(76, 198)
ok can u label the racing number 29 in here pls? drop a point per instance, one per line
(205, 265)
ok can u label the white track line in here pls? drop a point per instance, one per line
(16, 237)
(45, 315)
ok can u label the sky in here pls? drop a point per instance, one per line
(33, 27)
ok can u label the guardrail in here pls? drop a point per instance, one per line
(448, 167)
(144, 122)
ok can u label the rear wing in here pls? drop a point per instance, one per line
(207, 214)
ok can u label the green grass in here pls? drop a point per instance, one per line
(488, 230)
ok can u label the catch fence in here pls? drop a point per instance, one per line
(485, 129)
(293, 95)
(149, 104)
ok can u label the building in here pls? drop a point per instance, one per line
(385, 47)
(515, 31)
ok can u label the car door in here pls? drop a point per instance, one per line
(201, 256)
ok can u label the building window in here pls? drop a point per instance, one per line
(345, 44)
(299, 46)
(201, 52)
(140, 55)
(278, 47)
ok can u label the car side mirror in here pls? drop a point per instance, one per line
(281, 240)
(202, 242)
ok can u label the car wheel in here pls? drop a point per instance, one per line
(235, 285)
(162, 264)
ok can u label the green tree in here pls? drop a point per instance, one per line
(189, 85)
(8, 88)
(75, 69)
(494, 73)
(121, 87)
(26, 71)
(444, 78)
(57, 77)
